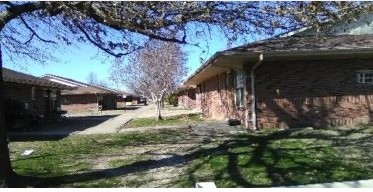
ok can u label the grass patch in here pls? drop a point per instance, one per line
(100, 183)
(62, 163)
(264, 159)
(284, 158)
(175, 120)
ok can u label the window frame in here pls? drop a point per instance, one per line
(33, 93)
(361, 77)
(239, 88)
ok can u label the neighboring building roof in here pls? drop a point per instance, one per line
(81, 88)
(283, 47)
(22, 78)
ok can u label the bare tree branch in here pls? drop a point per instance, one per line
(34, 33)
(100, 45)
(153, 71)
(7, 3)
(17, 10)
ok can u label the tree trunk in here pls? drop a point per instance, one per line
(159, 106)
(162, 102)
(6, 171)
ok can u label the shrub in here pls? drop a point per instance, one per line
(172, 100)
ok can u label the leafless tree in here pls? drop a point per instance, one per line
(33, 29)
(153, 72)
(93, 80)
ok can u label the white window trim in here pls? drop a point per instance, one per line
(360, 76)
(33, 93)
(239, 85)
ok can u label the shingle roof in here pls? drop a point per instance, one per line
(81, 88)
(305, 43)
(293, 45)
(183, 87)
(89, 90)
(22, 78)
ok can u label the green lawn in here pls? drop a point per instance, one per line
(283, 158)
(65, 162)
(175, 120)
(265, 159)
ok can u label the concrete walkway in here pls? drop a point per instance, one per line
(80, 124)
(113, 125)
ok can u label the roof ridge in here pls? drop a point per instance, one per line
(19, 72)
(66, 79)
(107, 88)
(79, 83)
(296, 37)
(11, 75)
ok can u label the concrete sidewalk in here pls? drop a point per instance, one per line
(167, 111)
(113, 125)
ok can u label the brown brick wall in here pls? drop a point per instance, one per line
(18, 92)
(313, 93)
(216, 99)
(87, 102)
(22, 93)
(79, 99)
(79, 103)
(76, 108)
(316, 93)
(199, 97)
(187, 98)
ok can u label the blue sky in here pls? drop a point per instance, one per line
(77, 62)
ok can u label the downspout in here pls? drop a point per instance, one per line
(252, 83)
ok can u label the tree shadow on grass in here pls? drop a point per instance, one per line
(280, 165)
(27, 181)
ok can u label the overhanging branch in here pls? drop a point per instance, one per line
(100, 46)
(34, 32)
(93, 11)
(17, 10)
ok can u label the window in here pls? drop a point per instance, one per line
(365, 76)
(239, 85)
(33, 93)
(53, 95)
(53, 101)
(33, 98)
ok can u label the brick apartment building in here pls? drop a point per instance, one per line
(27, 96)
(290, 82)
(85, 97)
(186, 96)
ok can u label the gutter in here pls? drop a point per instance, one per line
(207, 64)
(253, 101)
